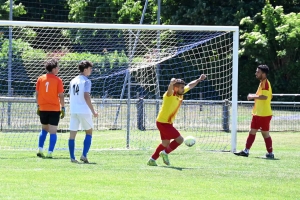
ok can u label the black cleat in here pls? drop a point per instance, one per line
(241, 153)
(84, 159)
(41, 155)
(270, 155)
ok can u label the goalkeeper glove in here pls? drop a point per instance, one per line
(38, 111)
(62, 112)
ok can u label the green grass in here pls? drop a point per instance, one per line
(194, 174)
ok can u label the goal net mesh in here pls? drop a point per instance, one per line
(131, 72)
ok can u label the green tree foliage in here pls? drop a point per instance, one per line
(289, 5)
(111, 11)
(273, 38)
(208, 12)
(45, 10)
(18, 9)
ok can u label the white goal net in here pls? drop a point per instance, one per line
(133, 65)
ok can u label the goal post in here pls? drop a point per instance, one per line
(127, 84)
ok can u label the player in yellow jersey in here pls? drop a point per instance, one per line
(172, 100)
(262, 113)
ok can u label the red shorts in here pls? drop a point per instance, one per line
(167, 131)
(262, 123)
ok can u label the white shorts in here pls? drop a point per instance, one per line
(81, 122)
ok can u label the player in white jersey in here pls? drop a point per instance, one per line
(81, 110)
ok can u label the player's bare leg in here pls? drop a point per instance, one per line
(42, 138)
(71, 145)
(86, 145)
(249, 142)
(268, 142)
(53, 138)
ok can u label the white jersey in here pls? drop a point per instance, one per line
(78, 86)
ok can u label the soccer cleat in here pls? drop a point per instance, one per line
(165, 157)
(84, 159)
(40, 154)
(241, 153)
(49, 155)
(74, 161)
(151, 162)
(270, 155)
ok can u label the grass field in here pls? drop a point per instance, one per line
(194, 174)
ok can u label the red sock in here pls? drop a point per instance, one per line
(250, 141)
(172, 146)
(268, 142)
(159, 148)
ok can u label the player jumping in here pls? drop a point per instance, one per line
(172, 100)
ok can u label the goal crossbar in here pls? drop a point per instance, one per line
(117, 26)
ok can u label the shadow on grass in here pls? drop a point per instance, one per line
(67, 158)
(262, 157)
(82, 163)
(177, 168)
(56, 158)
(35, 157)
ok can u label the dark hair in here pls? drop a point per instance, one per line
(264, 68)
(51, 64)
(179, 82)
(84, 65)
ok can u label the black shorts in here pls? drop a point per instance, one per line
(49, 117)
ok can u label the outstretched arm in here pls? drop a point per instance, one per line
(192, 84)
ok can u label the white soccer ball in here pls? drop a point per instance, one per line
(189, 141)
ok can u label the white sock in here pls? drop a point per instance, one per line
(49, 152)
(246, 150)
(40, 149)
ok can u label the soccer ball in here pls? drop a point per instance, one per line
(189, 141)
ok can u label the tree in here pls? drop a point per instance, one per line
(273, 38)
(208, 12)
(18, 10)
(45, 10)
(111, 11)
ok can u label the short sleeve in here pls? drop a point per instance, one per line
(186, 89)
(60, 86)
(265, 89)
(87, 86)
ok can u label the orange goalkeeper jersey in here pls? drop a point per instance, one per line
(48, 87)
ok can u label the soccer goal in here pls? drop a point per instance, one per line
(133, 65)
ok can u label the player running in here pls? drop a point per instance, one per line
(50, 105)
(262, 113)
(81, 110)
(172, 100)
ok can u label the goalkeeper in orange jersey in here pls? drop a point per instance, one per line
(172, 100)
(261, 113)
(50, 102)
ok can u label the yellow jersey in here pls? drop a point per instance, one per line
(170, 107)
(263, 107)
